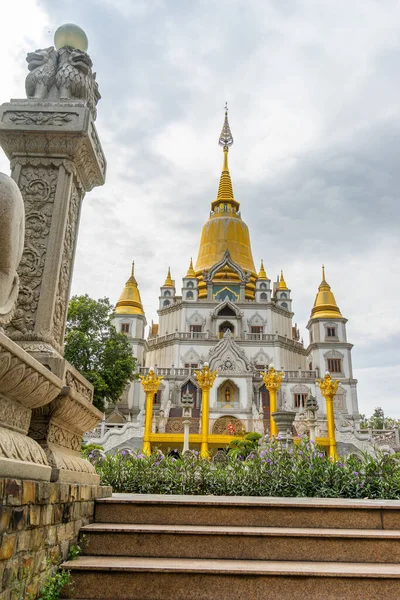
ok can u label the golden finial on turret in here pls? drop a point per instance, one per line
(262, 274)
(190, 273)
(129, 302)
(325, 306)
(282, 283)
(168, 281)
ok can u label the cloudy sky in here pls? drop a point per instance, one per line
(313, 89)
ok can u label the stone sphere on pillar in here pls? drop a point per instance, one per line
(71, 35)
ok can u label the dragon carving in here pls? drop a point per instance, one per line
(42, 65)
(65, 74)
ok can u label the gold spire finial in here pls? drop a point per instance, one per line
(325, 306)
(190, 273)
(226, 137)
(129, 302)
(168, 281)
(262, 274)
(282, 283)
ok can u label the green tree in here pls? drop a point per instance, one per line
(378, 420)
(97, 350)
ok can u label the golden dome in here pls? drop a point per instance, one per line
(225, 229)
(190, 273)
(282, 283)
(129, 302)
(168, 281)
(325, 306)
(262, 274)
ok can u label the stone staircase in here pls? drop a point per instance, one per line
(233, 548)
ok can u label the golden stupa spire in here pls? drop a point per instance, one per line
(129, 302)
(262, 274)
(225, 190)
(282, 283)
(325, 306)
(190, 273)
(168, 281)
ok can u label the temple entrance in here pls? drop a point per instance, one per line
(225, 326)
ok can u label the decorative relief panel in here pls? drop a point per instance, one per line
(38, 186)
(59, 317)
(75, 384)
(14, 415)
(25, 118)
(62, 437)
(19, 447)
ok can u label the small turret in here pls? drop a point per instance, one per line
(167, 292)
(190, 285)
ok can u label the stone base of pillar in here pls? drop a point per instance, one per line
(43, 418)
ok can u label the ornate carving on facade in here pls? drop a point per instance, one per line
(228, 426)
(64, 438)
(25, 118)
(256, 320)
(191, 357)
(196, 319)
(214, 314)
(61, 302)
(261, 358)
(62, 75)
(24, 383)
(74, 383)
(14, 415)
(226, 260)
(16, 446)
(228, 357)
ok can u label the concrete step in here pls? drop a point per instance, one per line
(123, 578)
(251, 543)
(249, 511)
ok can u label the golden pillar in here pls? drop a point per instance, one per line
(205, 379)
(272, 380)
(150, 383)
(328, 387)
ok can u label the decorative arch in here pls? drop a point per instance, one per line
(261, 358)
(256, 320)
(191, 357)
(196, 319)
(333, 354)
(166, 303)
(190, 284)
(284, 304)
(228, 394)
(189, 295)
(263, 296)
(299, 393)
(228, 426)
(227, 260)
(233, 310)
(263, 286)
(167, 293)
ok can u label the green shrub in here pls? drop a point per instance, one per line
(302, 471)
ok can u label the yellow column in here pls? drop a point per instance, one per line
(150, 383)
(272, 380)
(205, 379)
(328, 387)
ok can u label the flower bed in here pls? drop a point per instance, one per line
(301, 471)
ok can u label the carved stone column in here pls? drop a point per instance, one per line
(55, 157)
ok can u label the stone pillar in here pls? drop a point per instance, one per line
(56, 157)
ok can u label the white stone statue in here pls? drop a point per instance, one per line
(12, 233)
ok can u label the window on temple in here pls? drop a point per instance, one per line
(166, 303)
(224, 327)
(125, 327)
(334, 365)
(256, 329)
(263, 296)
(157, 398)
(195, 329)
(331, 331)
(191, 365)
(167, 293)
(283, 295)
(227, 311)
(190, 284)
(189, 295)
(284, 305)
(300, 400)
(263, 286)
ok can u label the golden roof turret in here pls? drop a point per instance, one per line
(129, 302)
(225, 229)
(282, 283)
(168, 281)
(190, 273)
(325, 306)
(262, 274)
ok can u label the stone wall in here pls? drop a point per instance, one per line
(38, 523)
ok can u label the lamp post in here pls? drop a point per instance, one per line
(187, 402)
(272, 380)
(205, 379)
(328, 387)
(150, 383)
